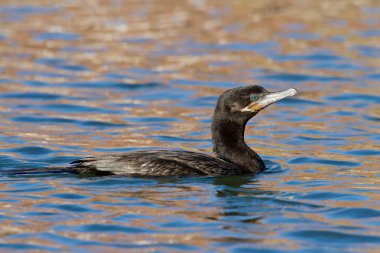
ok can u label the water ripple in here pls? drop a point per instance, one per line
(108, 228)
(332, 237)
(309, 160)
(67, 207)
(286, 77)
(355, 213)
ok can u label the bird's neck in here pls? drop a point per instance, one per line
(229, 144)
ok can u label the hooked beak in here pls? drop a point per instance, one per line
(268, 99)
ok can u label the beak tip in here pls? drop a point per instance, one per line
(293, 92)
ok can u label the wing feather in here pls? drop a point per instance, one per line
(156, 163)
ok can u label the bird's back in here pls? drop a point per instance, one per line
(156, 163)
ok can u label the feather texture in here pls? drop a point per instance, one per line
(156, 163)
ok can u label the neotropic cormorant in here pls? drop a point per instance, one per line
(233, 156)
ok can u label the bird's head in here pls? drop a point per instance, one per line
(246, 102)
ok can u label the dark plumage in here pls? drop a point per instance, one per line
(233, 157)
(157, 163)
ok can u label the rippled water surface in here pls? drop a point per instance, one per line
(80, 78)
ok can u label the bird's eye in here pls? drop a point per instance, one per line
(254, 98)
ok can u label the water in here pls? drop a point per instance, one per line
(85, 78)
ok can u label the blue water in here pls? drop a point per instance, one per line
(104, 83)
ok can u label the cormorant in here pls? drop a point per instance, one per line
(233, 156)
